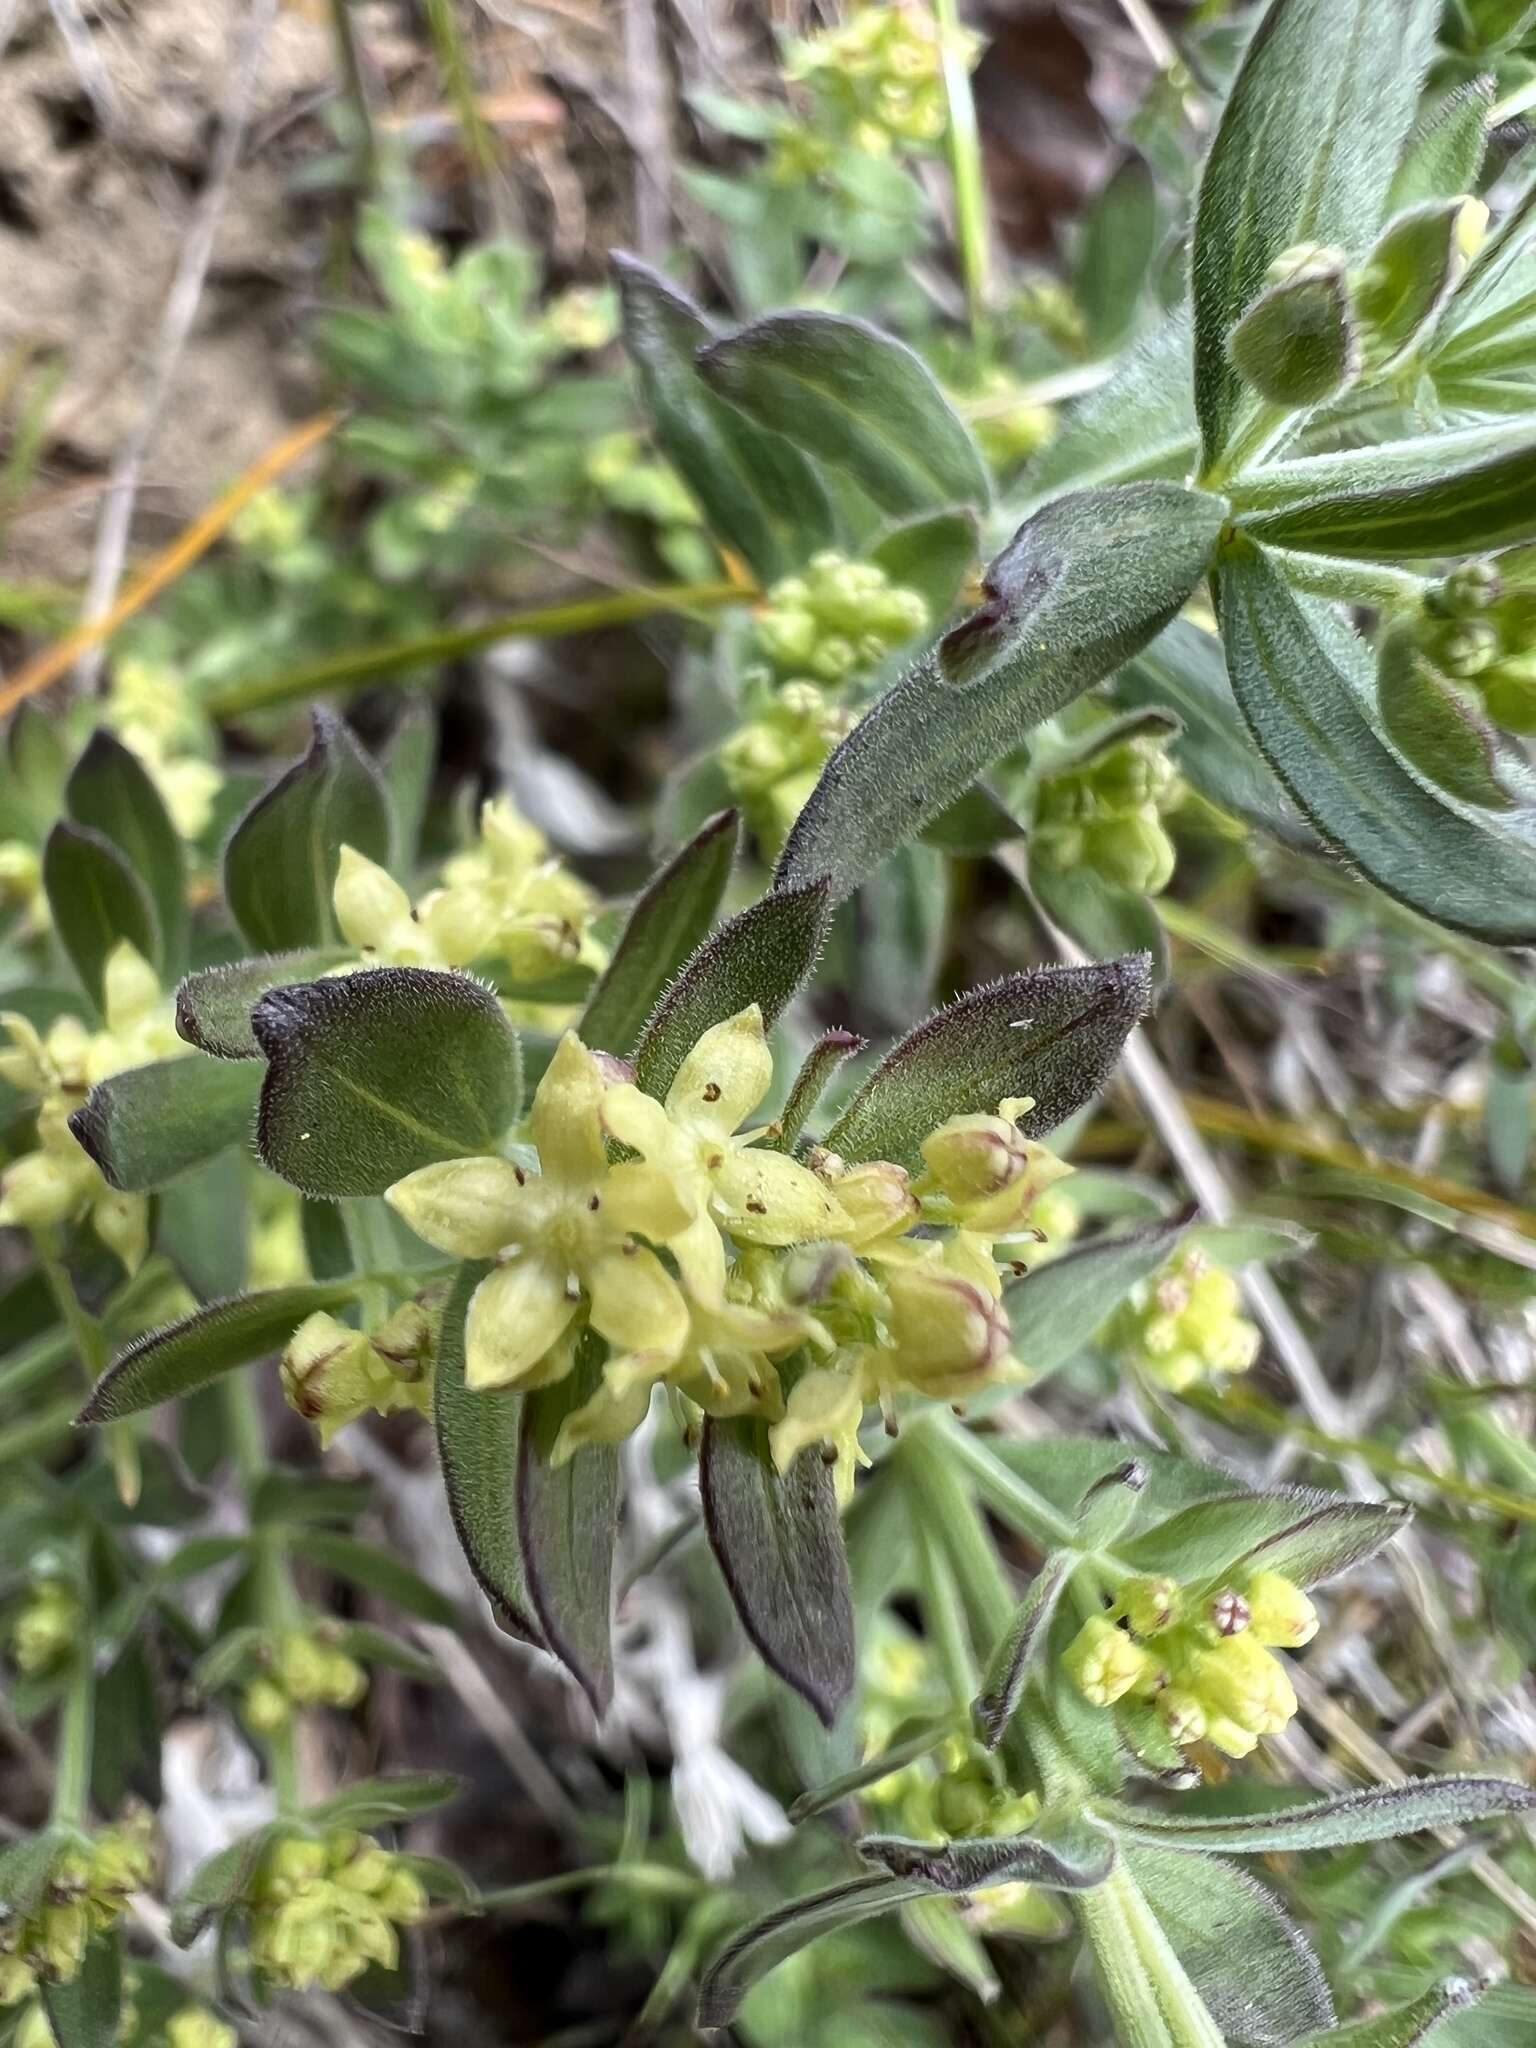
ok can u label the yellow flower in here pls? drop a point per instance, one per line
(44, 1630)
(332, 1373)
(195, 2027)
(1279, 1613)
(1104, 1663)
(825, 1406)
(563, 1237)
(984, 1174)
(1242, 1682)
(322, 1911)
(727, 1182)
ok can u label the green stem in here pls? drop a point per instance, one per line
(277, 1606)
(356, 92)
(448, 46)
(972, 231)
(85, 1333)
(1373, 583)
(1255, 436)
(371, 1241)
(1189, 2020)
(1138, 2016)
(77, 1723)
(430, 650)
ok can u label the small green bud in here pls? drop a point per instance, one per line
(1105, 1664)
(1280, 1613)
(1297, 343)
(1470, 587)
(1468, 649)
(1150, 1604)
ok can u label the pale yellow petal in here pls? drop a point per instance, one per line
(769, 1198)
(725, 1077)
(700, 1254)
(823, 1407)
(636, 1304)
(566, 1126)
(517, 1315)
(640, 1197)
(639, 1121)
(612, 1414)
(371, 907)
(472, 1208)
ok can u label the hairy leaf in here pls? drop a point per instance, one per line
(217, 1884)
(281, 860)
(905, 1747)
(567, 1528)
(372, 1075)
(1331, 1540)
(376, 1802)
(1406, 2026)
(213, 1006)
(1071, 1860)
(96, 901)
(167, 1363)
(787, 1929)
(1247, 1957)
(669, 921)
(828, 1053)
(779, 1546)
(856, 398)
(1376, 1813)
(1445, 151)
(1016, 1654)
(1302, 679)
(146, 1125)
(1054, 1312)
(109, 791)
(931, 553)
(763, 955)
(85, 2011)
(1305, 152)
(1083, 585)
(477, 1447)
(759, 493)
(1054, 1033)
(1304, 1534)
(1441, 731)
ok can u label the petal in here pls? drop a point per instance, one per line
(769, 1198)
(642, 1198)
(824, 1407)
(639, 1121)
(565, 1120)
(371, 907)
(725, 1077)
(636, 1304)
(611, 1415)
(700, 1254)
(473, 1208)
(516, 1315)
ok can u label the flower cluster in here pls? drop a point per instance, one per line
(44, 1628)
(1479, 628)
(878, 78)
(87, 1892)
(300, 1668)
(1008, 423)
(505, 901)
(194, 2026)
(59, 1182)
(711, 1262)
(1107, 815)
(1186, 1324)
(1204, 1656)
(322, 1908)
(152, 712)
(332, 1373)
(815, 633)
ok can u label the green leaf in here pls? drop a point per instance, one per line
(1054, 1312)
(1304, 1534)
(973, 825)
(759, 494)
(96, 901)
(1445, 152)
(109, 791)
(1008, 1671)
(367, 1644)
(165, 1364)
(1305, 151)
(1441, 731)
(567, 1528)
(1138, 425)
(1374, 1813)
(669, 921)
(38, 759)
(213, 1006)
(856, 398)
(778, 1935)
(1075, 1859)
(376, 1802)
(1406, 2026)
(1406, 278)
(931, 553)
(477, 1447)
(146, 1125)
(779, 1545)
(372, 1075)
(1101, 916)
(905, 1747)
(1445, 495)
(379, 1571)
(280, 864)
(84, 2013)
(217, 1884)
(828, 1053)
(26, 1867)
(1249, 1960)
(1119, 239)
(1054, 1033)
(763, 955)
(1080, 588)
(1302, 679)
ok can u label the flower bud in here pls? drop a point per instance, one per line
(947, 1335)
(972, 1156)
(875, 1197)
(1468, 649)
(1298, 343)
(1182, 1714)
(407, 1340)
(42, 1190)
(122, 1223)
(1150, 1605)
(1241, 1681)
(43, 1633)
(1228, 1614)
(195, 2027)
(372, 909)
(329, 1373)
(1469, 588)
(1104, 1663)
(265, 1708)
(1280, 1613)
